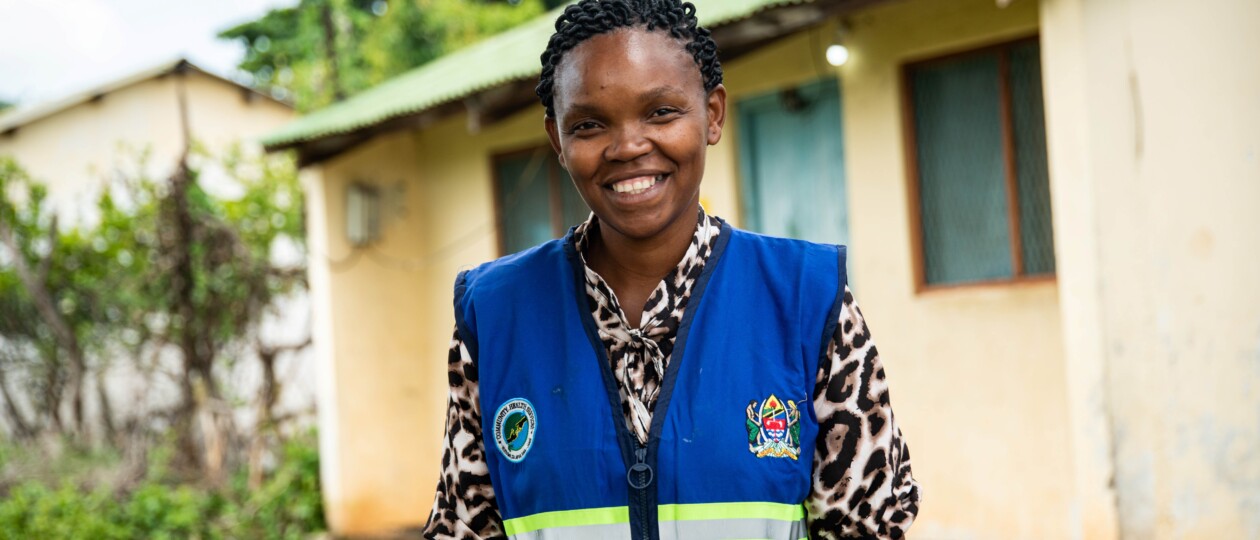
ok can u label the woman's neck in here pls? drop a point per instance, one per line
(633, 267)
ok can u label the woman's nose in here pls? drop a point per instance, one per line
(628, 143)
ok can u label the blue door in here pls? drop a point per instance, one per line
(792, 163)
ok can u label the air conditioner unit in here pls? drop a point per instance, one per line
(363, 214)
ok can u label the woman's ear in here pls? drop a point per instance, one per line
(553, 134)
(717, 114)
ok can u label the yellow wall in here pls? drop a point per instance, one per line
(1152, 113)
(383, 347)
(369, 346)
(977, 373)
(73, 149)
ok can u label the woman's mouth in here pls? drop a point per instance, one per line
(637, 185)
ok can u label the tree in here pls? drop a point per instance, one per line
(548, 4)
(166, 268)
(321, 51)
(31, 240)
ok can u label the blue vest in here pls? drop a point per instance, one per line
(731, 443)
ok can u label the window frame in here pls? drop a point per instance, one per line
(555, 199)
(910, 147)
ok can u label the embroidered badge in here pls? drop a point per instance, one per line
(774, 428)
(514, 425)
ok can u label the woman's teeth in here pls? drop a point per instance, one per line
(637, 185)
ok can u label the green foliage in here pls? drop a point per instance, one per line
(287, 506)
(29, 342)
(22, 206)
(34, 511)
(287, 50)
(462, 23)
(113, 279)
(84, 269)
(80, 466)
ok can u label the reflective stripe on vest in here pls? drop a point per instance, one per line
(744, 520)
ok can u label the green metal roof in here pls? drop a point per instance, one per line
(503, 58)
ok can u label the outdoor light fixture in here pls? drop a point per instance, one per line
(363, 214)
(837, 54)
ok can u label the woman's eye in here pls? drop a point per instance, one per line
(664, 111)
(583, 126)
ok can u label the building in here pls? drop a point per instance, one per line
(74, 143)
(1052, 212)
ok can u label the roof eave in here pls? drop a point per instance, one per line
(735, 37)
(15, 119)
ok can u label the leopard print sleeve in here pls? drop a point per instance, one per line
(464, 507)
(862, 486)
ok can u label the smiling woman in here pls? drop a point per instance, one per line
(647, 372)
(634, 118)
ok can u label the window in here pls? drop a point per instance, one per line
(977, 161)
(534, 199)
(792, 163)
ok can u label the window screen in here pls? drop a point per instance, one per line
(980, 155)
(1029, 121)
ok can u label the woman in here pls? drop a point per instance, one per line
(657, 373)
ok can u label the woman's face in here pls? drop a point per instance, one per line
(632, 122)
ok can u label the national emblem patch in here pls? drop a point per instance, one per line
(514, 425)
(774, 428)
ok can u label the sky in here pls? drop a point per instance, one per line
(52, 48)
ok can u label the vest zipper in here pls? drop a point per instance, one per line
(643, 511)
(640, 477)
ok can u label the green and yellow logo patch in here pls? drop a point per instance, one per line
(514, 425)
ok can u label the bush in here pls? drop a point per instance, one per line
(287, 506)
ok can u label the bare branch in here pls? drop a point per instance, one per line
(297, 273)
(274, 350)
(46, 262)
(21, 426)
(35, 287)
(47, 310)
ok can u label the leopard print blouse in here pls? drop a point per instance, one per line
(862, 485)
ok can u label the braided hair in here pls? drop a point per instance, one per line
(589, 18)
